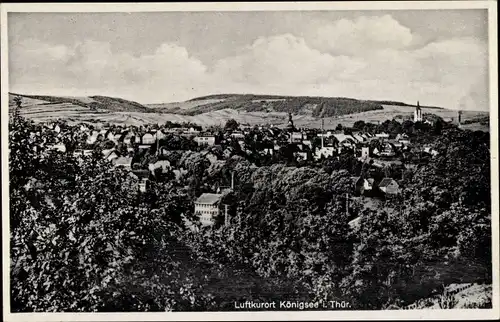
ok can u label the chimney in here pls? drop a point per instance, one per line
(232, 180)
(226, 217)
(322, 132)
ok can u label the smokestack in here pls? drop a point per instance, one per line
(322, 132)
(226, 217)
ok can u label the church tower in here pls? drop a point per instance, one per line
(290, 125)
(417, 117)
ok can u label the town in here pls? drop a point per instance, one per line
(146, 151)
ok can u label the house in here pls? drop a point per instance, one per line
(179, 173)
(382, 135)
(93, 137)
(268, 151)
(159, 135)
(365, 152)
(141, 177)
(228, 152)
(404, 142)
(205, 139)
(326, 151)
(210, 156)
(148, 139)
(129, 138)
(111, 154)
(207, 206)
(387, 150)
(345, 140)
(164, 165)
(402, 136)
(355, 223)
(238, 135)
(362, 185)
(397, 144)
(300, 156)
(61, 147)
(125, 162)
(296, 137)
(143, 184)
(326, 135)
(389, 186)
(192, 130)
(358, 138)
(117, 137)
(80, 153)
(429, 150)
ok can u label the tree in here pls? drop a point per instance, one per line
(231, 125)
(102, 241)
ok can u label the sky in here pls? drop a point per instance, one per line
(438, 57)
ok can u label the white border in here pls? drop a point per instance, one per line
(493, 313)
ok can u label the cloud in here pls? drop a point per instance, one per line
(283, 61)
(93, 68)
(362, 35)
(437, 73)
(366, 58)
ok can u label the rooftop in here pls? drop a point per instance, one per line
(208, 198)
(385, 182)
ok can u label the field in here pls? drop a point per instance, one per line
(114, 110)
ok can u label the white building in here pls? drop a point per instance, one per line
(148, 138)
(365, 152)
(207, 206)
(326, 151)
(205, 139)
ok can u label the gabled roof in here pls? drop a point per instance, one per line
(209, 198)
(385, 182)
(141, 173)
(122, 161)
(108, 153)
(343, 137)
(359, 137)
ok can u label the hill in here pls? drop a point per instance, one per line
(303, 105)
(217, 109)
(94, 103)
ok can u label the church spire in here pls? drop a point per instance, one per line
(290, 122)
(417, 115)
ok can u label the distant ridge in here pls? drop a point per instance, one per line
(260, 96)
(316, 106)
(217, 109)
(96, 102)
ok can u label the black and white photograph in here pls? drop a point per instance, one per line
(285, 161)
